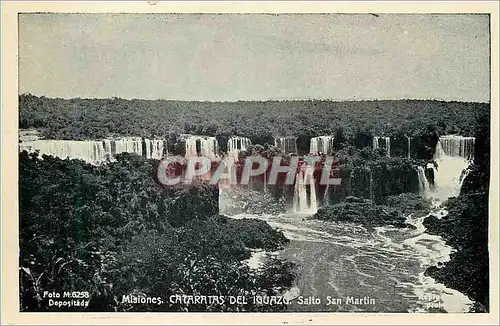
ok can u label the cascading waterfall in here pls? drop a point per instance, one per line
(237, 144)
(387, 144)
(208, 146)
(128, 145)
(423, 183)
(265, 182)
(457, 146)
(287, 144)
(155, 148)
(95, 151)
(321, 144)
(89, 151)
(228, 177)
(379, 260)
(375, 143)
(464, 175)
(326, 196)
(453, 155)
(300, 203)
(108, 148)
(408, 139)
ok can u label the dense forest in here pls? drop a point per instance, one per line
(355, 121)
(112, 230)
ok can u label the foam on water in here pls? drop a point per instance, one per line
(256, 259)
(432, 251)
(376, 259)
(354, 259)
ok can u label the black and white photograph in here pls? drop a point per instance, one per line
(254, 162)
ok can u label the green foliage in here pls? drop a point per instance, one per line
(466, 229)
(112, 230)
(256, 234)
(478, 180)
(159, 265)
(239, 200)
(365, 212)
(260, 121)
(276, 271)
(409, 203)
(189, 203)
(361, 211)
(389, 175)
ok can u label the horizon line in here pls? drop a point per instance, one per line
(297, 99)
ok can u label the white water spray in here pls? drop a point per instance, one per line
(423, 183)
(453, 155)
(386, 146)
(95, 151)
(128, 145)
(237, 144)
(89, 151)
(154, 148)
(408, 140)
(303, 179)
(287, 144)
(321, 144)
(208, 146)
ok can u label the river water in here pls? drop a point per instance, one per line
(340, 262)
(383, 267)
(387, 264)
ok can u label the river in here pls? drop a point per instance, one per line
(346, 261)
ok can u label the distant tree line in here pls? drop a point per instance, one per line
(353, 122)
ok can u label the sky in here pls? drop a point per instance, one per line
(229, 57)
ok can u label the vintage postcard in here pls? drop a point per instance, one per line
(250, 163)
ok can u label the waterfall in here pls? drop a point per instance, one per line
(155, 148)
(300, 203)
(287, 144)
(423, 184)
(95, 151)
(464, 175)
(89, 151)
(108, 149)
(387, 144)
(313, 205)
(321, 144)
(456, 146)
(453, 154)
(236, 144)
(375, 143)
(326, 196)
(128, 145)
(265, 181)
(408, 139)
(201, 145)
